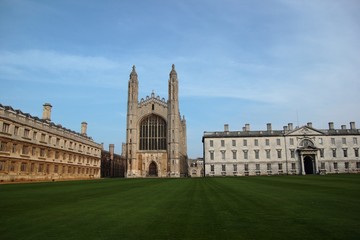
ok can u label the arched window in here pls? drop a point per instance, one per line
(153, 133)
(307, 143)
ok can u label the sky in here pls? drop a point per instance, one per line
(238, 62)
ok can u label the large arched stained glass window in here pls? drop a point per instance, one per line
(153, 133)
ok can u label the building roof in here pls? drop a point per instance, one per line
(51, 124)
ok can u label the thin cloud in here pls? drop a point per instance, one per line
(56, 67)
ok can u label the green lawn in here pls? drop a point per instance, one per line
(287, 207)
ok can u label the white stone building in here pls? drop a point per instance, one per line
(303, 150)
(34, 149)
(155, 132)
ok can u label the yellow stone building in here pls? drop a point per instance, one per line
(34, 149)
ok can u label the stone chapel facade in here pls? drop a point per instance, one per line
(155, 132)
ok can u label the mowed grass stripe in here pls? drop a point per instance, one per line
(296, 207)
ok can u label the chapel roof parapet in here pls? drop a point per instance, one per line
(153, 98)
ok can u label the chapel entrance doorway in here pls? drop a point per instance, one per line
(153, 170)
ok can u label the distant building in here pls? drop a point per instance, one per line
(196, 167)
(303, 150)
(34, 149)
(155, 132)
(112, 165)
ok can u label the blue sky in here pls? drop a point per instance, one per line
(238, 61)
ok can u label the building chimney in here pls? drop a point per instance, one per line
(83, 128)
(247, 127)
(111, 151)
(285, 128)
(290, 126)
(244, 129)
(309, 124)
(226, 127)
(331, 126)
(352, 125)
(343, 127)
(47, 112)
(269, 127)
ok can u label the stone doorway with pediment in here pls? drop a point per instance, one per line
(309, 165)
(307, 156)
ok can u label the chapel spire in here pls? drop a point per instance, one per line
(173, 73)
(133, 74)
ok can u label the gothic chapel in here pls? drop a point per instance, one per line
(155, 132)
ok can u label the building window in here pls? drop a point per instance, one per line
(56, 169)
(280, 166)
(223, 143)
(278, 153)
(2, 165)
(235, 167)
(269, 166)
(356, 151)
(343, 140)
(256, 154)
(25, 150)
(47, 168)
(49, 139)
(245, 154)
(292, 153)
(211, 155)
(267, 142)
(26, 132)
(320, 141)
(293, 166)
(278, 141)
(321, 153)
(211, 143)
(5, 128)
(223, 167)
(16, 130)
(212, 167)
(41, 168)
(244, 142)
(42, 137)
(234, 155)
(335, 165)
(57, 141)
(267, 154)
(355, 141)
(345, 152)
(333, 141)
(358, 165)
(42, 152)
(3, 146)
(57, 155)
(257, 167)
(223, 155)
(33, 151)
(153, 133)
(256, 142)
(334, 152)
(12, 167)
(34, 135)
(234, 143)
(246, 167)
(346, 165)
(23, 167)
(291, 141)
(322, 165)
(14, 148)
